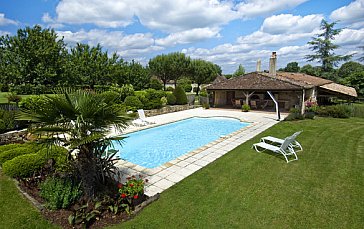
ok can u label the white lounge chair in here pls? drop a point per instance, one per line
(285, 149)
(143, 118)
(139, 122)
(295, 144)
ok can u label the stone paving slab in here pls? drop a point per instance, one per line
(170, 173)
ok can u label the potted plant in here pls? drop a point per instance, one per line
(245, 108)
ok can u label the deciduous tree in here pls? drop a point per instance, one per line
(203, 72)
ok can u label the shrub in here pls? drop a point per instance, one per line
(180, 95)
(203, 93)
(8, 120)
(34, 102)
(358, 110)
(171, 99)
(245, 108)
(185, 83)
(169, 89)
(335, 111)
(153, 99)
(23, 149)
(294, 114)
(155, 84)
(206, 106)
(164, 101)
(110, 97)
(60, 192)
(26, 165)
(124, 91)
(133, 103)
(309, 115)
(4, 148)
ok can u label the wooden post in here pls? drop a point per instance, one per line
(303, 102)
(247, 96)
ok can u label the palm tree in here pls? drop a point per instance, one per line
(80, 120)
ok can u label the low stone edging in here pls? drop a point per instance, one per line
(13, 136)
(169, 109)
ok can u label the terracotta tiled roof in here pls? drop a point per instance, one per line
(254, 81)
(219, 79)
(301, 79)
(340, 89)
(282, 81)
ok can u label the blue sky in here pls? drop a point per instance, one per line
(227, 33)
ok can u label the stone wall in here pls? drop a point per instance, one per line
(168, 109)
(13, 137)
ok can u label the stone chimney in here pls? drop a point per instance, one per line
(259, 65)
(273, 64)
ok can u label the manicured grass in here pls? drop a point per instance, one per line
(246, 189)
(15, 210)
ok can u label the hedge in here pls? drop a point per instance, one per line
(26, 165)
(15, 152)
(4, 148)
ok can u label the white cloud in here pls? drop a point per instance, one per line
(352, 14)
(165, 15)
(188, 36)
(104, 13)
(46, 18)
(127, 45)
(262, 39)
(180, 15)
(350, 37)
(6, 21)
(254, 8)
(288, 23)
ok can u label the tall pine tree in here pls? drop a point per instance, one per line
(324, 48)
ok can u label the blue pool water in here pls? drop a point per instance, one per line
(153, 147)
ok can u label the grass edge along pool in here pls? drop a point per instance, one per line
(156, 146)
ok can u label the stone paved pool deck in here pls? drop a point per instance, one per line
(170, 173)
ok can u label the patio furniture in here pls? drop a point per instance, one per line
(295, 144)
(138, 122)
(253, 104)
(285, 149)
(236, 103)
(143, 118)
(263, 106)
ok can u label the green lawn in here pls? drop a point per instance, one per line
(15, 210)
(246, 189)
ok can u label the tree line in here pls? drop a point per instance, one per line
(37, 59)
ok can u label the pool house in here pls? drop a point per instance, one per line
(276, 90)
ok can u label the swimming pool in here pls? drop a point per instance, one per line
(153, 147)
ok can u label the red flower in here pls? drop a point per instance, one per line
(120, 186)
(131, 185)
(136, 197)
(123, 195)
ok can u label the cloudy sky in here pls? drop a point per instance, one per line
(228, 33)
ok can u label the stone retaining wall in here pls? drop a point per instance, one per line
(13, 137)
(168, 109)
